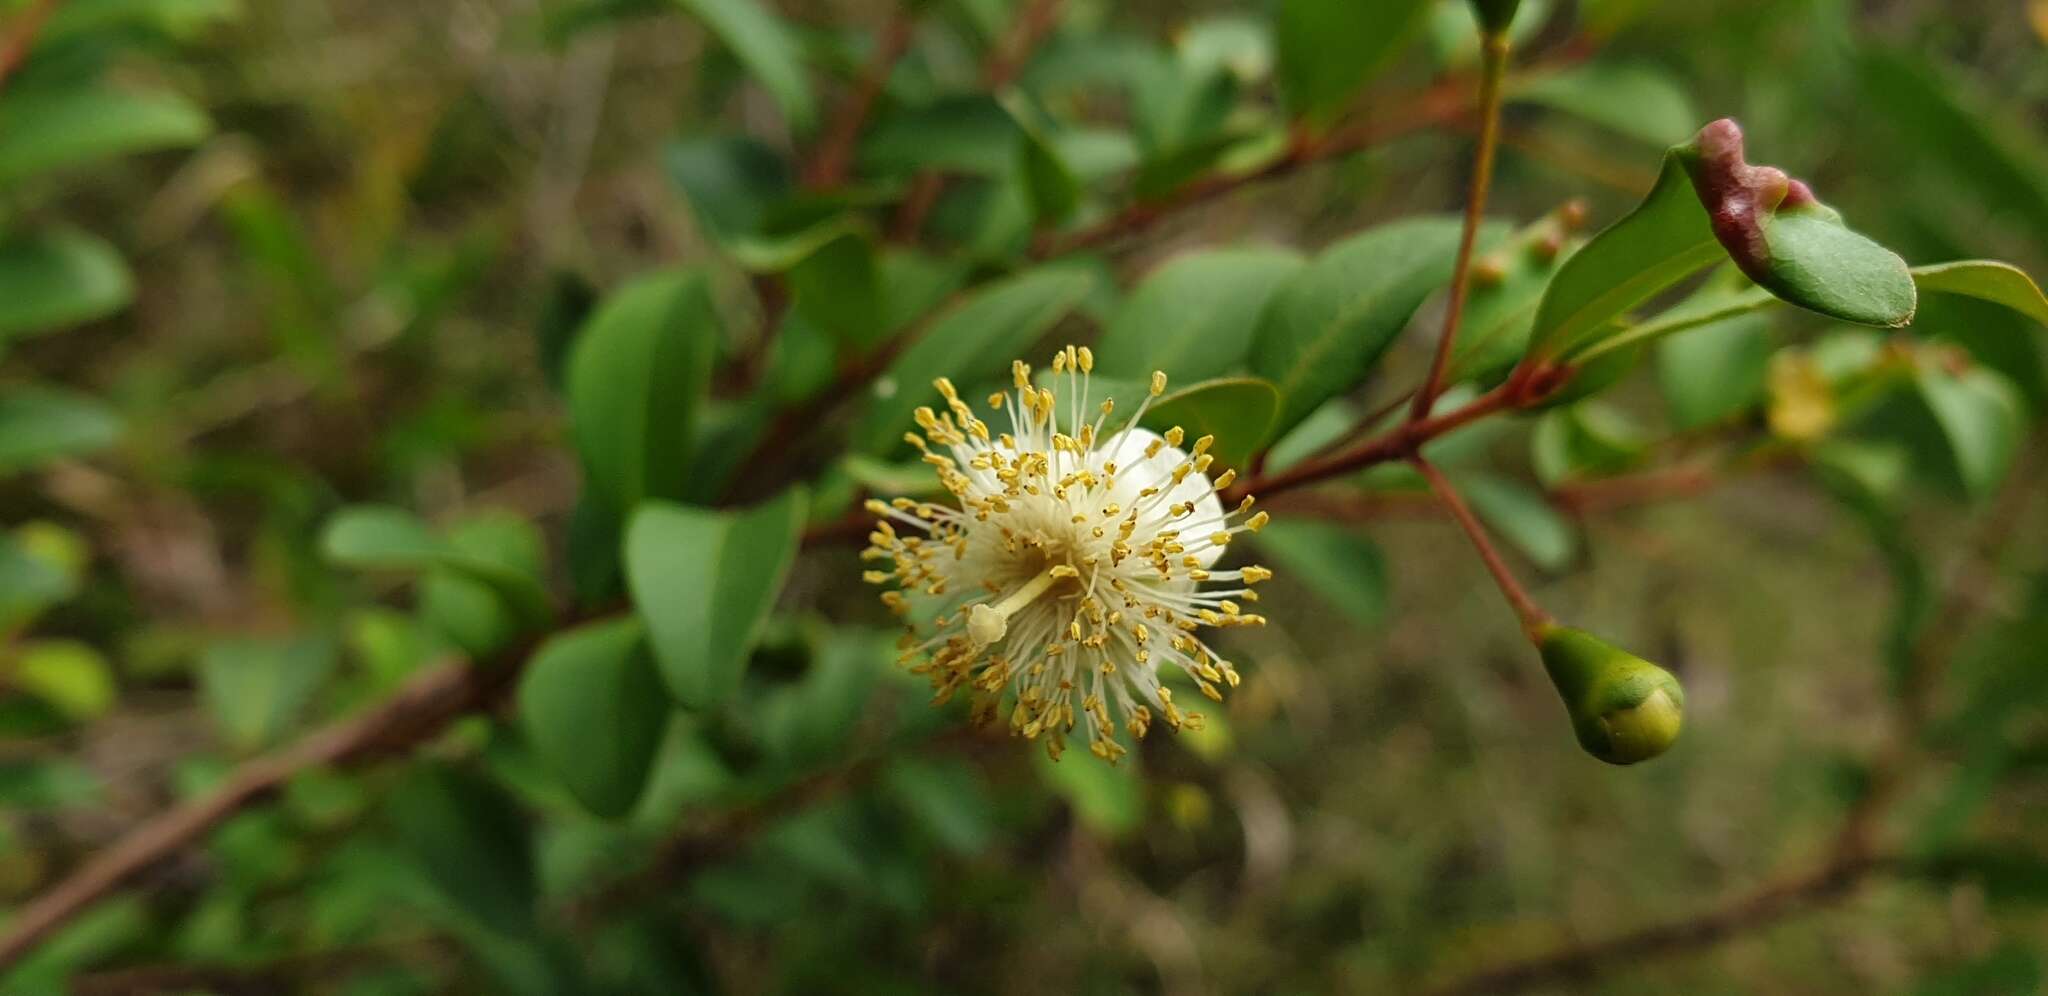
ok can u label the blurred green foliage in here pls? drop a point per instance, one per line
(344, 343)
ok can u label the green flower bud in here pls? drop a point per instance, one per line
(1495, 15)
(1624, 709)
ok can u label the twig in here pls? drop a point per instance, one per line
(287, 973)
(21, 36)
(848, 528)
(834, 155)
(1762, 907)
(1013, 51)
(1437, 105)
(420, 710)
(916, 206)
(1395, 444)
(1006, 58)
(784, 437)
(1683, 481)
(1532, 616)
(1493, 69)
(1448, 102)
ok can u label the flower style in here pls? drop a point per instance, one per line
(1071, 571)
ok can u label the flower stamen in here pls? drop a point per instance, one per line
(1135, 524)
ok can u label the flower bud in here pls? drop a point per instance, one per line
(1495, 15)
(1624, 709)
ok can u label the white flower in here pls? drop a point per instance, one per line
(1071, 571)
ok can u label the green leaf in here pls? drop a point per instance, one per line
(99, 933)
(1107, 799)
(1790, 244)
(1161, 174)
(1329, 49)
(1341, 566)
(67, 674)
(636, 383)
(1986, 280)
(956, 134)
(1180, 108)
(1238, 411)
(704, 581)
(49, 130)
(1500, 311)
(1194, 317)
(810, 719)
(913, 283)
(1236, 43)
(732, 182)
(1983, 419)
(592, 705)
(470, 845)
(766, 46)
(565, 306)
(1664, 240)
(839, 288)
(1713, 372)
(975, 340)
(31, 580)
(51, 280)
(48, 784)
(1585, 439)
(1982, 279)
(1640, 101)
(38, 425)
(382, 537)
(1327, 326)
(256, 688)
(1522, 516)
(1048, 181)
(1818, 263)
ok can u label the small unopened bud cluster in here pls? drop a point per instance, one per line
(1072, 568)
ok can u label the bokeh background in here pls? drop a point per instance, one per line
(352, 281)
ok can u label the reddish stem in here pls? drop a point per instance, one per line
(1013, 52)
(834, 157)
(1534, 619)
(1398, 443)
(1494, 68)
(21, 36)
